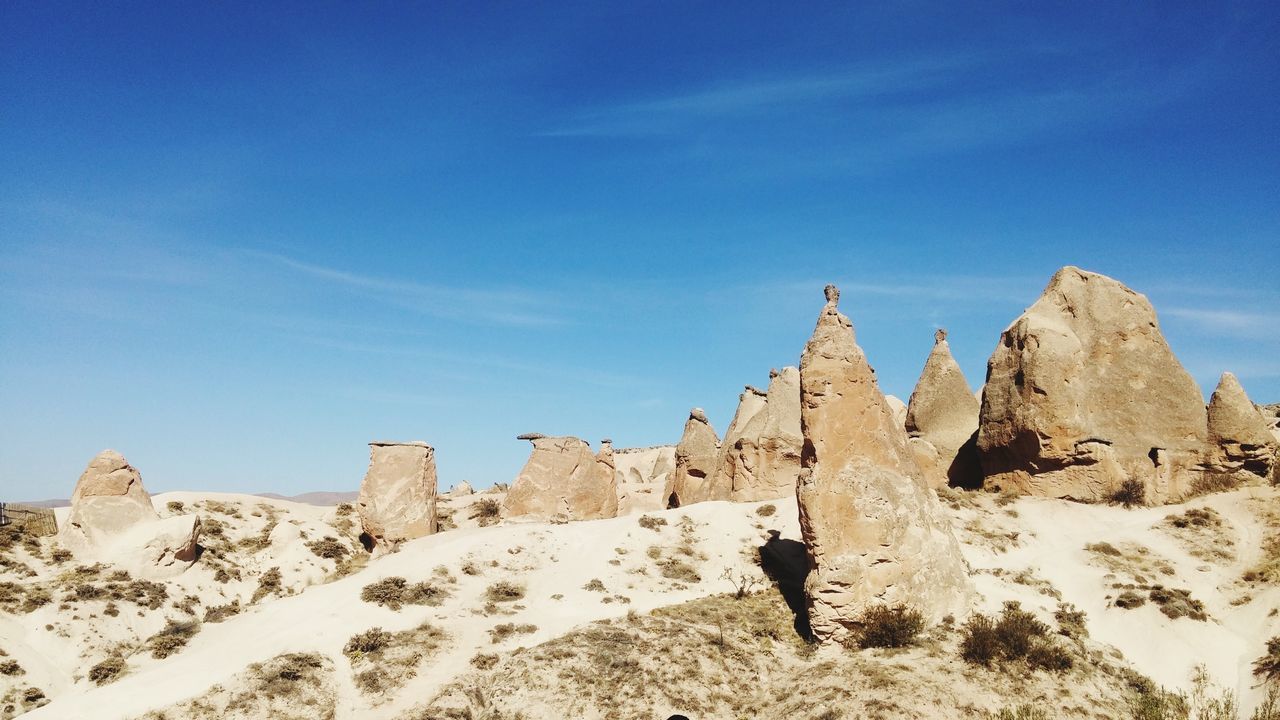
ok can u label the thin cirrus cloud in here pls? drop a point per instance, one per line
(1229, 323)
(490, 305)
(661, 115)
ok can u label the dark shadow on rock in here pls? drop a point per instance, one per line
(966, 469)
(786, 563)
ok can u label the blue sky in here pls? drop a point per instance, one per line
(238, 242)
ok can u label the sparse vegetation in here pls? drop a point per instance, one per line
(1132, 492)
(396, 592)
(11, 668)
(1015, 635)
(107, 671)
(503, 591)
(1071, 621)
(650, 522)
(383, 661)
(1267, 667)
(270, 583)
(329, 548)
(218, 613)
(766, 510)
(594, 586)
(1176, 603)
(1129, 600)
(485, 511)
(175, 506)
(499, 633)
(366, 643)
(883, 626)
(484, 661)
(172, 638)
(743, 583)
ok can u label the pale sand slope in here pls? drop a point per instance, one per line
(547, 559)
(1024, 549)
(1051, 540)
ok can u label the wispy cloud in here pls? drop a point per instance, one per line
(659, 115)
(493, 305)
(1231, 323)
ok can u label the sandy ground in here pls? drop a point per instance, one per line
(1026, 549)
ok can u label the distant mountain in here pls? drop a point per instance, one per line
(57, 502)
(316, 498)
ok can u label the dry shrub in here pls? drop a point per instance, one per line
(1016, 635)
(485, 511)
(766, 510)
(329, 548)
(649, 522)
(270, 583)
(501, 632)
(218, 613)
(107, 671)
(172, 638)
(396, 592)
(1267, 667)
(1132, 492)
(883, 626)
(503, 591)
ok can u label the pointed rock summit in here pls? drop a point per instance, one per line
(760, 455)
(397, 500)
(564, 480)
(1242, 447)
(943, 412)
(1083, 393)
(697, 458)
(874, 533)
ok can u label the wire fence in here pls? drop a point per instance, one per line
(28, 519)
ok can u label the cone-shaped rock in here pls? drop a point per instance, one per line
(564, 480)
(112, 519)
(109, 498)
(760, 454)
(642, 476)
(874, 533)
(397, 500)
(944, 412)
(899, 410)
(1243, 448)
(697, 458)
(1083, 393)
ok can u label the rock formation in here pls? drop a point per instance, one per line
(1242, 448)
(109, 498)
(564, 480)
(1083, 394)
(462, 489)
(898, 409)
(642, 475)
(397, 499)
(944, 412)
(112, 519)
(697, 458)
(875, 534)
(1271, 416)
(760, 454)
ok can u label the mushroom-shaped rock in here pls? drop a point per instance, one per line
(1084, 394)
(564, 480)
(875, 534)
(642, 475)
(1242, 448)
(760, 454)
(397, 500)
(697, 457)
(944, 412)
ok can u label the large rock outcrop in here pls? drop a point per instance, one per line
(760, 453)
(1242, 448)
(943, 412)
(1084, 394)
(397, 499)
(874, 532)
(112, 519)
(564, 480)
(642, 476)
(697, 458)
